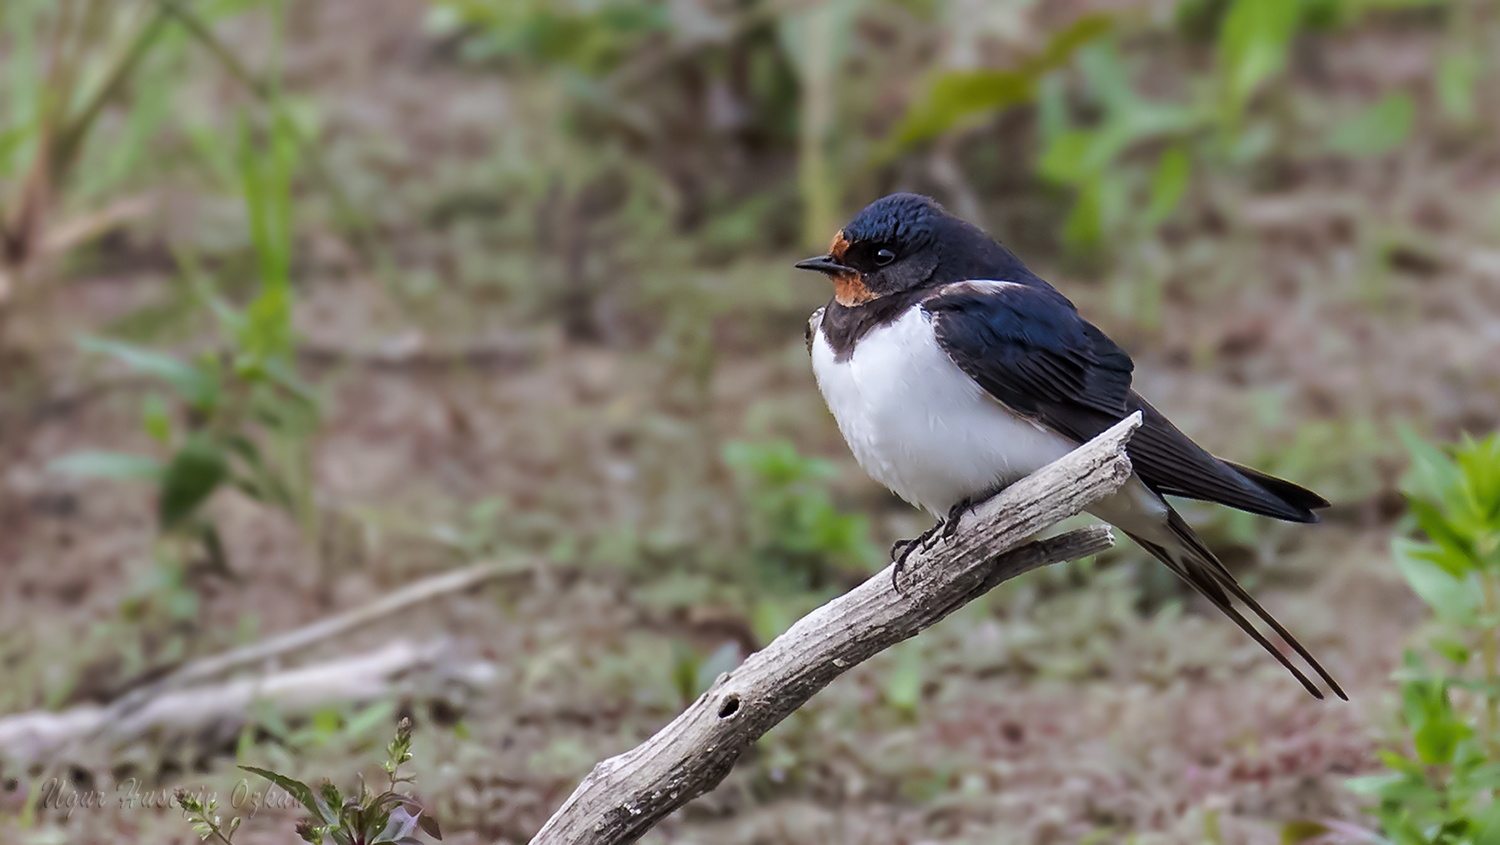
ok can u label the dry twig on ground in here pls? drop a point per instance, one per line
(182, 701)
(214, 713)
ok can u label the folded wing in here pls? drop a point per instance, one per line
(1028, 348)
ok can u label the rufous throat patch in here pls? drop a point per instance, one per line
(849, 289)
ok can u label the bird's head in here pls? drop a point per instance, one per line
(904, 242)
(887, 248)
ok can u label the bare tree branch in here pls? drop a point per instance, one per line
(301, 638)
(625, 796)
(61, 737)
(214, 713)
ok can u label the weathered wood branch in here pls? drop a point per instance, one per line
(213, 713)
(384, 607)
(60, 737)
(625, 796)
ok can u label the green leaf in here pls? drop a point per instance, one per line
(1066, 159)
(957, 97)
(369, 718)
(282, 375)
(267, 330)
(903, 688)
(685, 671)
(330, 795)
(1437, 730)
(1450, 597)
(724, 659)
(1107, 77)
(10, 140)
(1168, 183)
(108, 465)
(1475, 510)
(1377, 130)
(191, 476)
(255, 478)
(1460, 557)
(156, 420)
(1298, 831)
(769, 618)
(1432, 473)
(1437, 740)
(203, 287)
(1373, 784)
(1325, 831)
(1084, 228)
(1486, 688)
(196, 387)
(1097, 209)
(327, 721)
(1254, 42)
(1457, 73)
(1487, 825)
(265, 181)
(1453, 650)
(1399, 763)
(295, 788)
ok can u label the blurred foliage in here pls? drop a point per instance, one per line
(244, 417)
(94, 50)
(1129, 157)
(350, 725)
(363, 817)
(796, 534)
(693, 674)
(1444, 793)
(66, 142)
(590, 38)
(798, 548)
(955, 98)
(1107, 160)
(655, 166)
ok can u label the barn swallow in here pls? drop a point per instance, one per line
(954, 371)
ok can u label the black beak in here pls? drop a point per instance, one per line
(823, 264)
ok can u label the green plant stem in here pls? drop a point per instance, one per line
(1491, 650)
(815, 177)
(364, 239)
(70, 140)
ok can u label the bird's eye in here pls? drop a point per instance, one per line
(884, 257)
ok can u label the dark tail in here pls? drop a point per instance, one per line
(1195, 564)
(1295, 495)
(1173, 465)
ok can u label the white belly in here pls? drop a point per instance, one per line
(917, 424)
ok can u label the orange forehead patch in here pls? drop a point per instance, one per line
(839, 246)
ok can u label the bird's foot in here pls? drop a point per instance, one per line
(955, 513)
(902, 549)
(943, 530)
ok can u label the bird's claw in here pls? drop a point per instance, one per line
(945, 529)
(955, 513)
(902, 549)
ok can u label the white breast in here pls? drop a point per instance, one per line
(917, 424)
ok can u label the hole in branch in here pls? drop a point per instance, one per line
(730, 707)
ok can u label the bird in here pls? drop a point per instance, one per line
(953, 371)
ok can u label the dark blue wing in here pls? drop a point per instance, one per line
(1028, 347)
